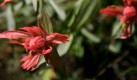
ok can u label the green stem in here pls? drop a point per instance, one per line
(43, 19)
(57, 63)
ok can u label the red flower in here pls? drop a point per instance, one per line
(4, 2)
(112, 11)
(127, 14)
(36, 42)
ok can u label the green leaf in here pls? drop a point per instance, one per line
(48, 74)
(35, 4)
(61, 13)
(115, 47)
(28, 1)
(44, 22)
(10, 19)
(77, 7)
(43, 19)
(87, 13)
(90, 36)
(63, 48)
(78, 48)
(42, 60)
(116, 29)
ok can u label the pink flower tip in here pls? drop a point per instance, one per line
(4, 2)
(112, 11)
(129, 12)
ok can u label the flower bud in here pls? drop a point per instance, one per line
(129, 12)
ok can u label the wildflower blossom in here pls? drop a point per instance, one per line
(126, 13)
(36, 42)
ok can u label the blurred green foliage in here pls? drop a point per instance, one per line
(93, 53)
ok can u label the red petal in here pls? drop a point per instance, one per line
(4, 2)
(35, 64)
(25, 63)
(34, 31)
(15, 42)
(36, 43)
(31, 62)
(46, 51)
(26, 57)
(14, 34)
(112, 11)
(59, 38)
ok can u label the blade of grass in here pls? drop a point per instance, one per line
(10, 19)
(77, 7)
(35, 4)
(90, 36)
(61, 13)
(87, 13)
(43, 19)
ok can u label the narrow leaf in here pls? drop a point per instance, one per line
(35, 4)
(10, 19)
(87, 13)
(61, 13)
(116, 29)
(63, 48)
(115, 47)
(44, 22)
(77, 7)
(90, 36)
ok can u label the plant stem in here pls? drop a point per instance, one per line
(57, 63)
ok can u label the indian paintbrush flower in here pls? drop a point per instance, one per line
(126, 13)
(36, 41)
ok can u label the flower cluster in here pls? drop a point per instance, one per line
(36, 41)
(126, 13)
(4, 2)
